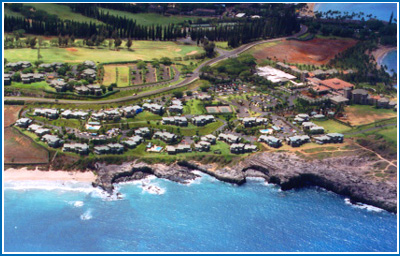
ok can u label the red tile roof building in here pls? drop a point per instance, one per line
(336, 84)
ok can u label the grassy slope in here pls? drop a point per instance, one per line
(62, 11)
(145, 50)
(8, 12)
(194, 107)
(149, 18)
(259, 47)
(43, 85)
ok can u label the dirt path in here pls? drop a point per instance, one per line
(379, 156)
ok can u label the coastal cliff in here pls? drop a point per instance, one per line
(345, 175)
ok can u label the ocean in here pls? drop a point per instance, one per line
(206, 216)
(382, 11)
(390, 60)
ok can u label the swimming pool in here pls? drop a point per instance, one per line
(266, 131)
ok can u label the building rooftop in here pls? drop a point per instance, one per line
(336, 84)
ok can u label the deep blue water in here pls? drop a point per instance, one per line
(207, 215)
(390, 61)
(382, 11)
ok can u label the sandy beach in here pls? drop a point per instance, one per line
(381, 52)
(25, 174)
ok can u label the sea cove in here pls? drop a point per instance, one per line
(207, 215)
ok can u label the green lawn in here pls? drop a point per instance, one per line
(43, 85)
(189, 130)
(332, 126)
(146, 115)
(109, 75)
(71, 123)
(194, 107)
(142, 50)
(62, 11)
(123, 76)
(62, 122)
(150, 18)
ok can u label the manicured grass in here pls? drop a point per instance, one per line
(150, 18)
(123, 76)
(43, 85)
(239, 96)
(141, 151)
(189, 130)
(222, 146)
(332, 126)
(71, 123)
(142, 50)
(146, 115)
(62, 11)
(194, 107)
(61, 122)
(110, 75)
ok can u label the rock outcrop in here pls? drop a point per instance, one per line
(346, 175)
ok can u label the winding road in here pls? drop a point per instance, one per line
(194, 76)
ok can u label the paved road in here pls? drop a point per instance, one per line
(194, 76)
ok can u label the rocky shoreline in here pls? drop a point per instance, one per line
(346, 175)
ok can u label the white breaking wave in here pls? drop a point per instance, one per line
(78, 204)
(261, 179)
(146, 185)
(70, 186)
(153, 189)
(197, 180)
(367, 207)
(84, 187)
(87, 215)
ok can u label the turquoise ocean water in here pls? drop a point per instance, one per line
(207, 215)
(382, 11)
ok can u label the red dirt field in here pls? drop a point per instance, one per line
(11, 114)
(19, 149)
(317, 51)
(72, 49)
